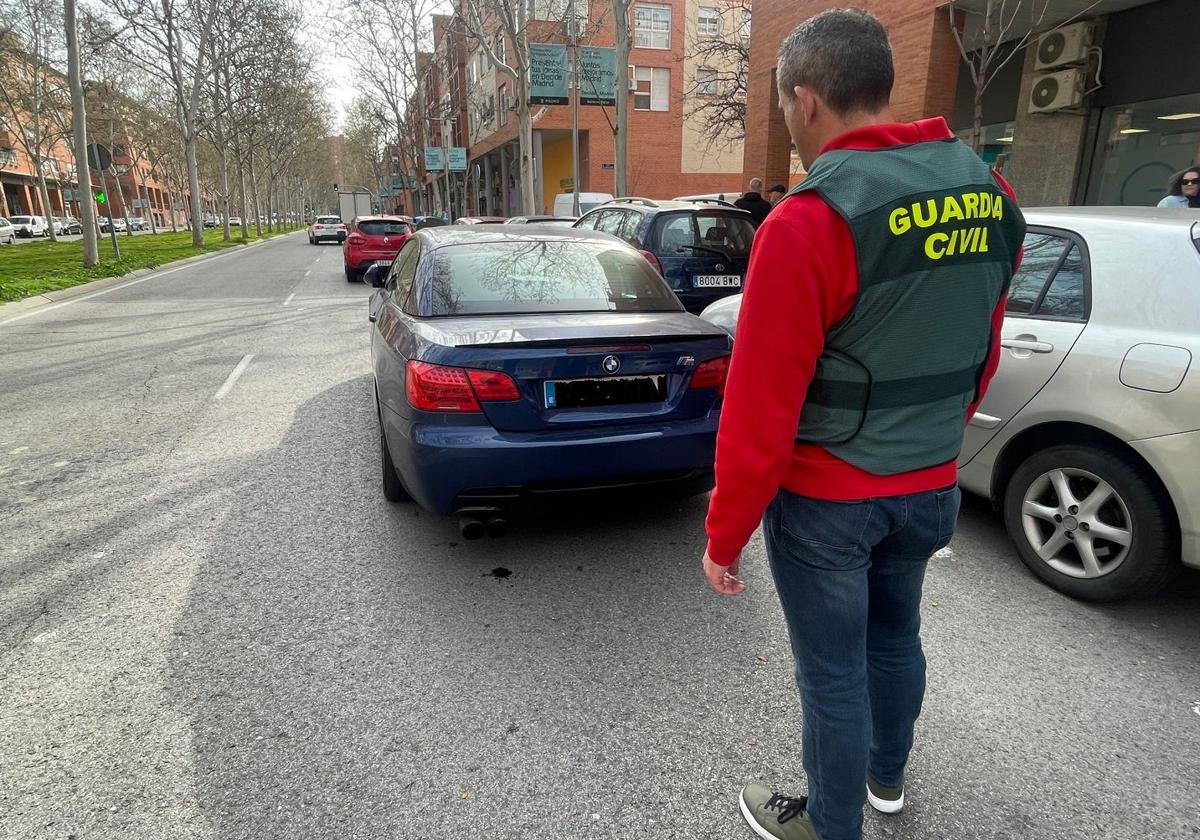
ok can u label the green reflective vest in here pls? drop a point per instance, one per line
(935, 239)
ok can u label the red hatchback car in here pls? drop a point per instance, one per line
(373, 239)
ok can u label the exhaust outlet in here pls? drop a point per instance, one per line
(471, 528)
(497, 527)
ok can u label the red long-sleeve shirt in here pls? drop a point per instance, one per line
(802, 281)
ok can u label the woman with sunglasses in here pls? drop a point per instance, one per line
(1183, 190)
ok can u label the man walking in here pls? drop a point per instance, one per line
(776, 194)
(753, 201)
(868, 333)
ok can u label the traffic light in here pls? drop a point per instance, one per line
(101, 198)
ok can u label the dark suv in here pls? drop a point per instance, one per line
(702, 248)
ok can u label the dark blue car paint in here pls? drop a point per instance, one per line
(441, 456)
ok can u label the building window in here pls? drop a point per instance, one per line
(706, 81)
(653, 27)
(499, 48)
(504, 104)
(653, 92)
(8, 157)
(1140, 147)
(744, 28)
(708, 22)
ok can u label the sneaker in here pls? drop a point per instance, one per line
(885, 800)
(774, 816)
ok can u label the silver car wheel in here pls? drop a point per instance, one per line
(1077, 523)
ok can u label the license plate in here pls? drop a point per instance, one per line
(728, 281)
(615, 390)
(383, 263)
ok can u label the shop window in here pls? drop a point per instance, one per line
(1140, 146)
(996, 146)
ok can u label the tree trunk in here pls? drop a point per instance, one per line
(44, 189)
(146, 198)
(193, 172)
(254, 198)
(171, 207)
(124, 204)
(241, 177)
(223, 165)
(525, 149)
(977, 126)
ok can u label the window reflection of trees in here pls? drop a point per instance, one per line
(543, 276)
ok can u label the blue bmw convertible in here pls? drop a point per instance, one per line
(514, 361)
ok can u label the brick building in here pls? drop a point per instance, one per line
(1108, 140)
(667, 154)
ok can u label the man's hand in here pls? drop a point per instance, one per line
(723, 579)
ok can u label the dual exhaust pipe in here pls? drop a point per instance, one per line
(476, 527)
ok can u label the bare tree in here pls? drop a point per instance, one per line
(170, 40)
(32, 88)
(488, 22)
(715, 95)
(992, 42)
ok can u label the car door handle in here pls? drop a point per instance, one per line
(1031, 345)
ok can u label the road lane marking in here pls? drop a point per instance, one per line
(308, 272)
(234, 375)
(289, 298)
(134, 282)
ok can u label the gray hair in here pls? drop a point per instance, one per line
(756, 185)
(844, 56)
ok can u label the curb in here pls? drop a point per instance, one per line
(35, 302)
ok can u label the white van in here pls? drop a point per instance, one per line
(564, 203)
(30, 226)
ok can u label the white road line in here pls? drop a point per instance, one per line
(289, 298)
(234, 375)
(308, 272)
(91, 295)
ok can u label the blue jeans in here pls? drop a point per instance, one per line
(849, 577)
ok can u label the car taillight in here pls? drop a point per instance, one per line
(653, 260)
(341, 227)
(356, 240)
(439, 388)
(493, 386)
(711, 374)
(316, 227)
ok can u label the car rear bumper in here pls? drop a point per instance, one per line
(1176, 460)
(364, 259)
(321, 237)
(696, 300)
(447, 468)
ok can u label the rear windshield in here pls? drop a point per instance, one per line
(328, 220)
(383, 227)
(707, 232)
(498, 278)
(22, 220)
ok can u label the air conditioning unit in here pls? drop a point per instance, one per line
(632, 77)
(1057, 91)
(1064, 47)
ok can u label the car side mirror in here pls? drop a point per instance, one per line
(375, 276)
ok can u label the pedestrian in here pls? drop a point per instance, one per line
(753, 201)
(868, 333)
(1183, 190)
(776, 194)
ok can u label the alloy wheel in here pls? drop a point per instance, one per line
(1077, 523)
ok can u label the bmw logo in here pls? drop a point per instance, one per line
(611, 364)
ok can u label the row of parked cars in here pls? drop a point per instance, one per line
(29, 227)
(514, 359)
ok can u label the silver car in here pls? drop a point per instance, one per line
(1089, 438)
(8, 233)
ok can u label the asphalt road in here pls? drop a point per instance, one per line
(213, 626)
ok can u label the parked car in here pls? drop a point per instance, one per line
(373, 239)
(564, 203)
(8, 232)
(70, 225)
(1089, 437)
(723, 198)
(479, 220)
(28, 227)
(138, 223)
(56, 225)
(511, 363)
(701, 249)
(212, 222)
(422, 222)
(325, 228)
(235, 221)
(119, 225)
(563, 221)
